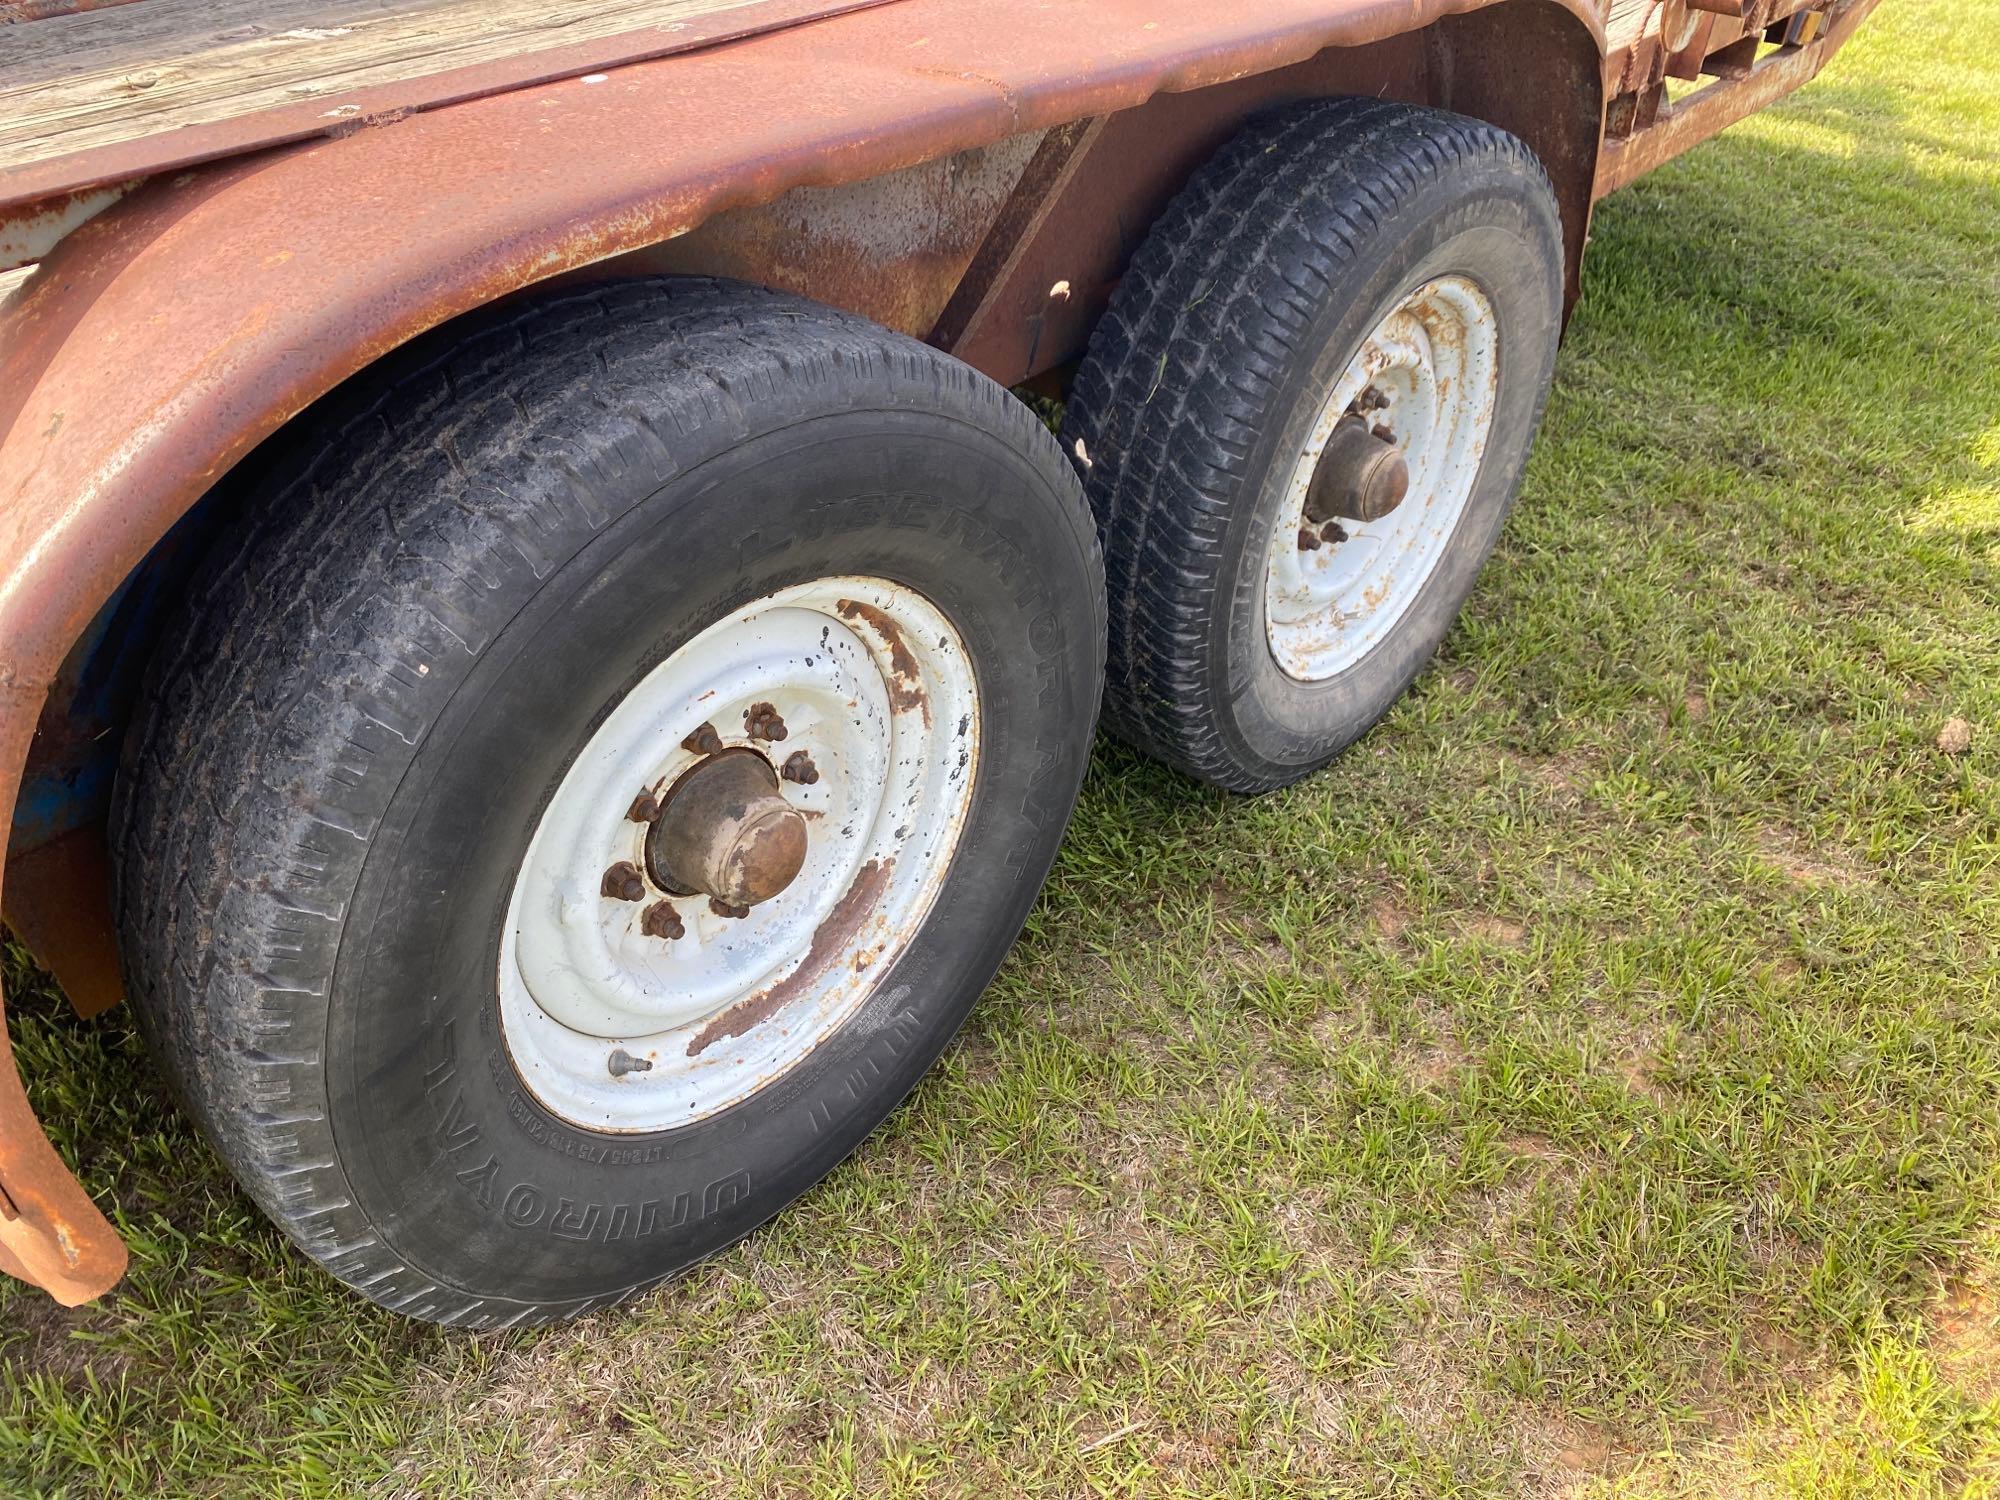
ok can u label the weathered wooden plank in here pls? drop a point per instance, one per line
(19, 12)
(88, 84)
(1628, 20)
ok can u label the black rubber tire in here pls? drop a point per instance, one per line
(381, 675)
(1241, 308)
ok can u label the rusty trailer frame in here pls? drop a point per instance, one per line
(974, 172)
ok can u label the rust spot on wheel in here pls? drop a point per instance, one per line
(828, 940)
(906, 679)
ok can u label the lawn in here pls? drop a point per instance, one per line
(1589, 1086)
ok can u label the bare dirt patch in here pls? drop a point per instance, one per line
(1805, 865)
(1389, 919)
(1504, 931)
(1964, 1338)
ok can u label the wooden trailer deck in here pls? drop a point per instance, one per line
(99, 92)
(107, 94)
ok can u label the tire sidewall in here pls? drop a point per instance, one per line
(447, 1154)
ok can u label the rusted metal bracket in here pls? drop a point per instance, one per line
(50, 1232)
(27, 236)
(59, 906)
(997, 263)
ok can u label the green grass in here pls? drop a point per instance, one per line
(1590, 1085)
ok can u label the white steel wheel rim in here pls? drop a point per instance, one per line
(613, 1029)
(1434, 365)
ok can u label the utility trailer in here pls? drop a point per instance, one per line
(535, 645)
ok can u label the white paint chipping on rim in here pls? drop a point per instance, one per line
(1436, 360)
(615, 1030)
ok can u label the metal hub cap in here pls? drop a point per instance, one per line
(725, 830)
(752, 835)
(1382, 481)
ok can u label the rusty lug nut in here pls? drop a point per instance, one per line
(799, 767)
(1383, 431)
(645, 807)
(723, 909)
(1371, 400)
(623, 882)
(1308, 539)
(662, 921)
(1333, 533)
(704, 741)
(761, 722)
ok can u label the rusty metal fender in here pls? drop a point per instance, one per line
(179, 326)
